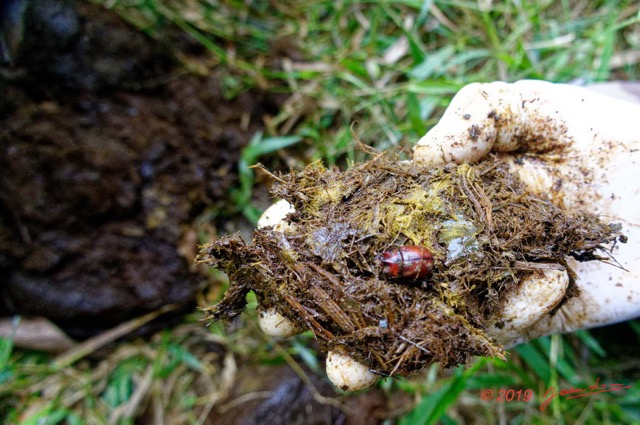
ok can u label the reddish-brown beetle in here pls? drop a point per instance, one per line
(407, 262)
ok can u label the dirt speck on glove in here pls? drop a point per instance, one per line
(485, 231)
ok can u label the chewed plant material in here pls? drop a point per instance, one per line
(400, 266)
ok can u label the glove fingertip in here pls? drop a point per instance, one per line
(347, 374)
(275, 324)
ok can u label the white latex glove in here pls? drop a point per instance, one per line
(578, 147)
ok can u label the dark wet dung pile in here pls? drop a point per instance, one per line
(485, 231)
(100, 184)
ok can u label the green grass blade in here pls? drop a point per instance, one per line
(538, 363)
(47, 416)
(591, 343)
(433, 406)
(256, 148)
(259, 146)
(6, 346)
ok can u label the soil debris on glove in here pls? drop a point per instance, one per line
(485, 233)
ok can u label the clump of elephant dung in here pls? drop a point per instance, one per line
(485, 232)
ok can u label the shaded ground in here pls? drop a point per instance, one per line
(280, 396)
(99, 184)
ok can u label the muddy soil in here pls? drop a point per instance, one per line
(100, 183)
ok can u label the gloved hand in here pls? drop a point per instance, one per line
(579, 148)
